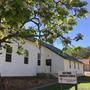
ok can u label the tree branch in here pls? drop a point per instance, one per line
(8, 37)
(30, 20)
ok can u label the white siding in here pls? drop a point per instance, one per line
(76, 69)
(17, 67)
(57, 62)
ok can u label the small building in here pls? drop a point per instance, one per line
(86, 63)
(47, 59)
(86, 67)
(53, 61)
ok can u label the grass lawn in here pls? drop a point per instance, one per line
(84, 84)
(57, 87)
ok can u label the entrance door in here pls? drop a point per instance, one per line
(49, 65)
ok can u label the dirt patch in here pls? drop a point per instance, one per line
(22, 83)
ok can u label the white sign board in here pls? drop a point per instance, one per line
(66, 77)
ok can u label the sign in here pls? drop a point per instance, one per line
(67, 77)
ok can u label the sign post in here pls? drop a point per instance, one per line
(65, 77)
(76, 87)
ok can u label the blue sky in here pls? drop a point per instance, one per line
(83, 26)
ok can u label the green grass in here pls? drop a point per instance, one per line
(57, 87)
(83, 84)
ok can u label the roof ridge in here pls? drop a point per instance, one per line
(55, 50)
(59, 52)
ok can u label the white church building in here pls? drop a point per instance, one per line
(51, 60)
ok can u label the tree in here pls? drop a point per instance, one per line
(84, 53)
(57, 17)
(78, 52)
(74, 51)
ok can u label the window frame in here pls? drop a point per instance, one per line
(70, 64)
(26, 57)
(74, 65)
(48, 62)
(39, 62)
(38, 59)
(8, 54)
(78, 66)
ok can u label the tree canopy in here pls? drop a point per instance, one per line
(79, 52)
(57, 17)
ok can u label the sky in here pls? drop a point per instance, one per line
(83, 27)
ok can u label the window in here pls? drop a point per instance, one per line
(48, 62)
(26, 57)
(78, 65)
(0, 49)
(8, 54)
(39, 63)
(69, 64)
(74, 64)
(39, 57)
(9, 50)
(25, 60)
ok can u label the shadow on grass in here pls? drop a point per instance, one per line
(82, 79)
(57, 87)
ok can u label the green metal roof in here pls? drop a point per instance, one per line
(59, 52)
